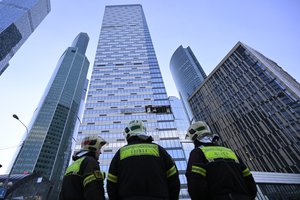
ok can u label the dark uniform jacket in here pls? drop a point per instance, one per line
(215, 172)
(83, 179)
(142, 170)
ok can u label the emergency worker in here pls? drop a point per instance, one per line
(215, 172)
(142, 170)
(83, 179)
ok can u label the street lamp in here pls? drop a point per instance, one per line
(27, 132)
(17, 118)
(6, 183)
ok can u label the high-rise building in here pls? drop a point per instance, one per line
(254, 105)
(47, 148)
(181, 119)
(18, 19)
(182, 124)
(187, 74)
(127, 84)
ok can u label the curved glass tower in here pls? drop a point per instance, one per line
(187, 74)
(47, 148)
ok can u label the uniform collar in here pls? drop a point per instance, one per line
(139, 139)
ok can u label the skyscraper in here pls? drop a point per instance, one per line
(182, 124)
(181, 120)
(187, 74)
(19, 18)
(127, 84)
(47, 148)
(254, 105)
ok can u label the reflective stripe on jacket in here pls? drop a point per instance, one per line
(147, 168)
(217, 152)
(217, 171)
(83, 180)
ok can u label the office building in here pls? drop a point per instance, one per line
(126, 84)
(277, 186)
(47, 147)
(254, 105)
(181, 120)
(182, 124)
(187, 74)
(18, 19)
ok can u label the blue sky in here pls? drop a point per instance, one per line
(210, 27)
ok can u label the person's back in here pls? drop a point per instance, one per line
(72, 183)
(142, 170)
(215, 172)
(83, 179)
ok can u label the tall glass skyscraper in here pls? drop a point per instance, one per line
(127, 84)
(181, 120)
(47, 148)
(254, 105)
(18, 19)
(187, 74)
(182, 124)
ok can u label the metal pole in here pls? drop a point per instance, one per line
(10, 171)
(16, 117)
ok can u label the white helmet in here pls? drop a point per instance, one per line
(135, 128)
(200, 131)
(92, 143)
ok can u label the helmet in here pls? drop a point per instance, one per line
(92, 143)
(198, 130)
(135, 128)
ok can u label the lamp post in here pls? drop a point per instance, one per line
(27, 132)
(17, 118)
(6, 183)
